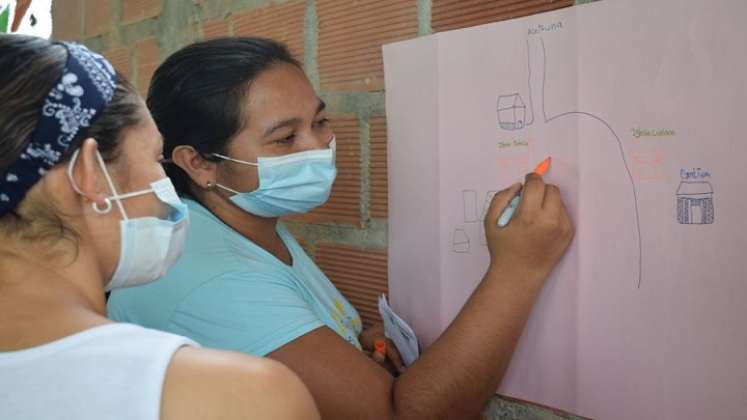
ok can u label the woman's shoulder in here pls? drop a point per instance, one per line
(220, 384)
(202, 222)
(209, 238)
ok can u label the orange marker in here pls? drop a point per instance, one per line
(509, 211)
(543, 166)
(380, 349)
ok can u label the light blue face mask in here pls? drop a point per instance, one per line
(149, 246)
(293, 183)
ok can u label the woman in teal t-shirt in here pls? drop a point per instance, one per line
(249, 142)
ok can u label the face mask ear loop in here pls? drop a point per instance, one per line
(70, 167)
(223, 187)
(111, 187)
(230, 159)
(77, 189)
(234, 160)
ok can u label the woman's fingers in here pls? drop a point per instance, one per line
(393, 355)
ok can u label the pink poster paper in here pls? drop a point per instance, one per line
(641, 106)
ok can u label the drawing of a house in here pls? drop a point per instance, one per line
(512, 112)
(695, 203)
(460, 241)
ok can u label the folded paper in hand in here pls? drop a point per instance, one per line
(397, 330)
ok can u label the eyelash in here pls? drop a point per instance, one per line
(286, 140)
(292, 137)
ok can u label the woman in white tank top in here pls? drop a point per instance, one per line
(85, 207)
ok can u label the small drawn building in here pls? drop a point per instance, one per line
(512, 112)
(460, 241)
(695, 203)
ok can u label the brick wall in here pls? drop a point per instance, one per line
(339, 42)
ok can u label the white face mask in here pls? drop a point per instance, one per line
(149, 246)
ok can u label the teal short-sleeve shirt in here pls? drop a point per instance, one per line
(226, 292)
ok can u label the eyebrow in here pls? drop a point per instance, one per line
(292, 121)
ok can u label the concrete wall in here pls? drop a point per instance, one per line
(339, 43)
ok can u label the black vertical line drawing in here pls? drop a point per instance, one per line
(529, 83)
(460, 241)
(469, 199)
(596, 118)
(695, 203)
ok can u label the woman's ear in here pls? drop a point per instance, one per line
(87, 175)
(199, 169)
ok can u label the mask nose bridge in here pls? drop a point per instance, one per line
(320, 143)
(165, 191)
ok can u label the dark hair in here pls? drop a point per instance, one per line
(31, 67)
(195, 96)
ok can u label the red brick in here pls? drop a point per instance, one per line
(343, 206)
(284, 23)
(215, 28)
(121, 59)
(147, 59)
(360, 275)
(377, 173)
(98, 17)
(67, 16)
(454, 14)
(351, 34)
(137, 10)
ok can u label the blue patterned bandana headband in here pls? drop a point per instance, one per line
(85, 88)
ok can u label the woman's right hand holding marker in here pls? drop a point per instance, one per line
(538, 234)
(522, 254)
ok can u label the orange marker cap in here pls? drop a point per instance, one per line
(542, 168)
(380, 346)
